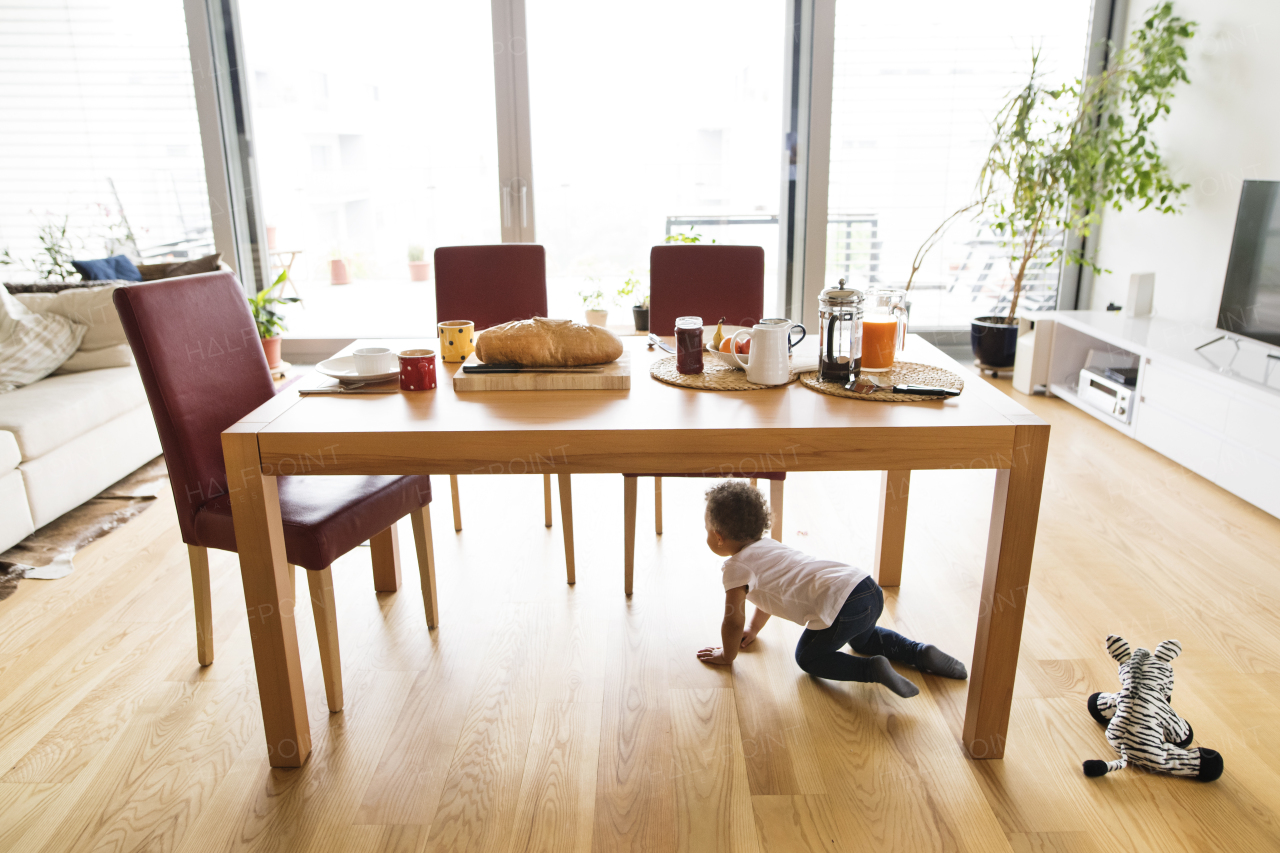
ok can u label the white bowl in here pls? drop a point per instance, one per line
(343, 369)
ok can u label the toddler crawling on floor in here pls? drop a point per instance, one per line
(837, 604)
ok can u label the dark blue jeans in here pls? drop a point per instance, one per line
(818, 652)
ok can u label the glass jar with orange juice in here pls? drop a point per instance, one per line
(884, 328)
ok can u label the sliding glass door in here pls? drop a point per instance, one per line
(916, 86)
(375, 142)
(647, 120)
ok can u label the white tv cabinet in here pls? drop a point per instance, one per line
(1215, 411)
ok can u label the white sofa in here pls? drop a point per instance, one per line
(65, 438)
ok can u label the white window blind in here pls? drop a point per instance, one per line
(95, 93)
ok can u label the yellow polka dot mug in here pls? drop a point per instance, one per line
(457, 339)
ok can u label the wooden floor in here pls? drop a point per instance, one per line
(543, 717)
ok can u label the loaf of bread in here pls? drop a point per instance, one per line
(547, 343)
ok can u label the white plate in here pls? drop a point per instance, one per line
(344, 370)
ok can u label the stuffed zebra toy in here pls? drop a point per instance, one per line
(1141, 724)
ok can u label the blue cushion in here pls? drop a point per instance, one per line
(114, 268)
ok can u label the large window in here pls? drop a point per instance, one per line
(916, 86)
(374, 136)
(98, 130)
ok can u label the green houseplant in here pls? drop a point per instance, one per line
(265, 307)
(593, 301)
(1062, 155)
(632, 289)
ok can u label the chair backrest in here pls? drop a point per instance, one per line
(489, 285)
(203, 368)
(706, 281)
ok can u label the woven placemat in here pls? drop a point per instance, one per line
(902, 373)
(715, 376)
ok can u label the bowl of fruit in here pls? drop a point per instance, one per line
(719, 338)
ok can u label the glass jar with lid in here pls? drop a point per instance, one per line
(840, 322)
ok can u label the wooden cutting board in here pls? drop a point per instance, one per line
(614, 377)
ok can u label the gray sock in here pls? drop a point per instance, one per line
(935, 660)
(883, 673)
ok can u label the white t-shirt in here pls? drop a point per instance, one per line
(785, 582)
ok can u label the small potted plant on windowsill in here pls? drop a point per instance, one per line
(338, 272)
(419, 269)
(593, 301)
(265, 307)
(633, 289)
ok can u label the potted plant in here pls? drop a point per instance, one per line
(633, 289)
(593, 301)
(266, 314)
(338, 273)
(419, 269)
(1062, 155)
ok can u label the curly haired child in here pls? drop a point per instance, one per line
(838, 604)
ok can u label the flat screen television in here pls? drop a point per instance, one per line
(1251, 294)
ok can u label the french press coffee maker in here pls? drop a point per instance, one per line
(840, 351)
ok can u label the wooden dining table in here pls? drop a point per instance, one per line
(652, 428)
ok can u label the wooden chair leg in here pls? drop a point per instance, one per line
(566, 521)
(546, 497)
(426, 561)
(775, 505)
(199, 559)
(384, 548)
(293, 578)
(657, 508)
(629, 487)
(753, 482)
(324, 608)
(457, 505)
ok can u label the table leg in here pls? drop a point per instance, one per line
(629, 487)
(566, 521)
(1015, 512)
(255, 512)
(891, 530)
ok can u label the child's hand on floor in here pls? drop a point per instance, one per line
(715, 655)
(748, 637)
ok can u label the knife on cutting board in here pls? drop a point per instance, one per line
(516, 368)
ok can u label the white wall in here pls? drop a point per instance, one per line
(1224, 128)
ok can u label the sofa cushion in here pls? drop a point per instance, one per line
(107, 269)
(10, 455)
(55, 410)
(88, 306)
(97, 359)
(174, 269)
(69, 475)
(32, 345)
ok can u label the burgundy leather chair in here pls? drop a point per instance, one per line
(203, 368)
(708, 281)
(491, 285)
